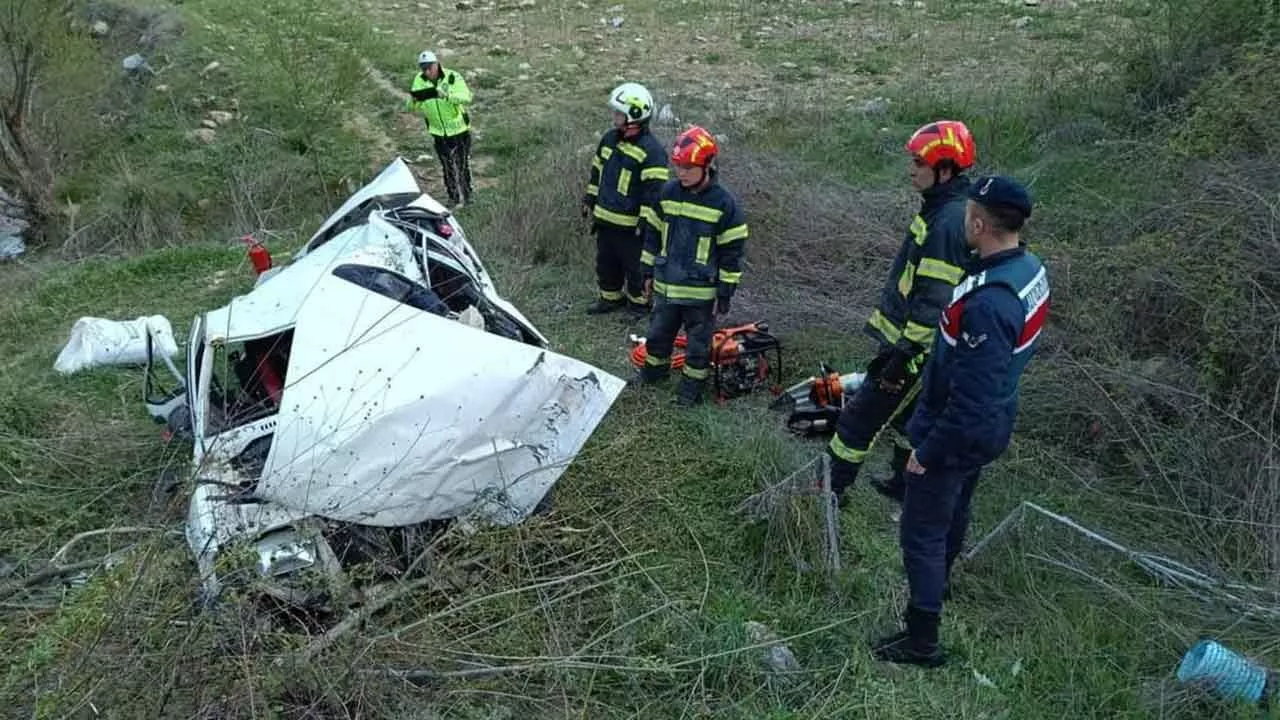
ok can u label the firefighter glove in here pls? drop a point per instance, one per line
(722, 305)
(894, 372)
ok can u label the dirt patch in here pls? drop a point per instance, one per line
(735, 63)
(382, 82)
(133, 29)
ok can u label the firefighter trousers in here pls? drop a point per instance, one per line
(455, 163)
(618, 263)
(698, 321)
(863, 418)
(935, 520)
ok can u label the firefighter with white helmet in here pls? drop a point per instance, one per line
(441, 96)
(628, 170)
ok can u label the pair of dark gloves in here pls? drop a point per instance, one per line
(427, 94)
(723, 302)
(895, 362)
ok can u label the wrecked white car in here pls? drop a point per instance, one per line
(357, 397)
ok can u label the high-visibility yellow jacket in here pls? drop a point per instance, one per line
(441, 102)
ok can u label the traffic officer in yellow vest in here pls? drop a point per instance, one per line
(627, 173)
(441, 96)
(692, 262)
(920, 280)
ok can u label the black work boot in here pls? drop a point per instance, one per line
(917, 645)
(637, 310)
(690, 392)
(895, 486)
(601, 306)
(649, 375)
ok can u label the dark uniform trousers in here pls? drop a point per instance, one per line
(866, 414)
(935, 519)
(455, 162)
(618, 263)
(699, 325)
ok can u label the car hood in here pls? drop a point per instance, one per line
(399, 416)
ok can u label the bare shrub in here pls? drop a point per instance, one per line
(819, 249)
(1174, 376)
(538, 218)
(37, 43)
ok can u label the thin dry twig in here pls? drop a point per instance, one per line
(577, 662)
(596, 570)
(47, 574)
(77, 539)
(359, 616)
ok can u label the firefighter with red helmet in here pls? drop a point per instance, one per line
(691, 261)
(920, 281)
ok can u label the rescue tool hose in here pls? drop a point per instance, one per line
(639, 354)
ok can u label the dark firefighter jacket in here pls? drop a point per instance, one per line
(626, 177)
(969, 392)
(694, 247)
(927, 266)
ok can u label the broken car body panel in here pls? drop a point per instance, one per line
(412, 417)
(377, 380)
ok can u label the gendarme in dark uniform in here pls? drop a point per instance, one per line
(967, 404)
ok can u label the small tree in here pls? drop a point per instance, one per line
(33, 33)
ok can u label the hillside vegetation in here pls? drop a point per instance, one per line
(1144, 128)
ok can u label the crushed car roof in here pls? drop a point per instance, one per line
(391, 415)
(273, 306)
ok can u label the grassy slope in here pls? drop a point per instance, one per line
(666, 632)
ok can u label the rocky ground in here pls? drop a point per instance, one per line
(729, 62)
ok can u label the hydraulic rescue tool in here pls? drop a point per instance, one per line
(744, 358)
(815, 404)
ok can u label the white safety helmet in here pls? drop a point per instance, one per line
(633, 100)
(426, 56)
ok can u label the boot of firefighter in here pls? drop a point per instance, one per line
(648, 374)
(638, 307)
(690, 392)
(916, 645)
(601, 306)
(894, 487)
